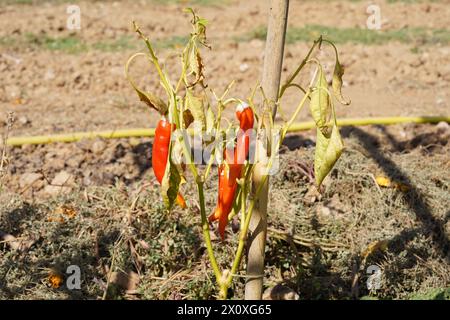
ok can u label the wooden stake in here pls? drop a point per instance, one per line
(273, 60)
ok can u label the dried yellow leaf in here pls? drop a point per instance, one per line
(55, 280)
(379, 245)
(388, 183)
(61, 213)
(383, 181)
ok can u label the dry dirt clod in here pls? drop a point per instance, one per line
(29, 178)
(98, 146)
(280, 292)
(127, 281)
(62, 183)
(443, 127)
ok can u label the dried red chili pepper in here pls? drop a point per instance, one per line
(232, 170)
(160, 152)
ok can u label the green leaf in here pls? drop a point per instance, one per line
(320, 104)
(337, 82)
(170, 183)
(328, 150)
(195, 105)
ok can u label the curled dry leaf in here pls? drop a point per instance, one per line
(14, 243)
(148, 98)
(337, 82)
(170, 183)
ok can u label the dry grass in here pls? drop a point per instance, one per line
(3, 151)
(317, 246)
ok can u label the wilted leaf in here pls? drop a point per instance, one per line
(199, 26)
(177, 158)
(192, 56)
(195, 105)
(188, 118)
(152, 101)
(170, 183)
(147, 97)
(337, 82)
(320, 104)
(196, 66)
(328, 150)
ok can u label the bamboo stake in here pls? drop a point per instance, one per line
(273, 61)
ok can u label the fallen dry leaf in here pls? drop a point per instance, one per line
(14, 243)
(379, 245)
(62, 213)
(55, 279)
(388, 183)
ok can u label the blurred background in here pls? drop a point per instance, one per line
(61, 80)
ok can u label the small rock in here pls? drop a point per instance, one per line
(98, 146)
(13, 91)
(75, 161)
(62, 183)
(49, 75)
(23, 120)
(127, 281)
(29, 178)
(243, 67)
(443, 127)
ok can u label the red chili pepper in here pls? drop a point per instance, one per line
(160, 152)
(232, 170)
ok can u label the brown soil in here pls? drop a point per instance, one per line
(61, 92)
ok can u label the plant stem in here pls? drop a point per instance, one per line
(300, 67)
(206, 235)
(244, 230)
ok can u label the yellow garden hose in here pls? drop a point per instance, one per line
(128, 133)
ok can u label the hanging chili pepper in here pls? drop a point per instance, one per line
(230, 171)
(160, 152)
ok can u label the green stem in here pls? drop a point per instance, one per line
(300, 67)
(206, 235)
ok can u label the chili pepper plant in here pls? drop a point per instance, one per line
(192, 111)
